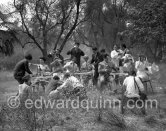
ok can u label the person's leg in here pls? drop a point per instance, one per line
(95, 77)
(78, 64)
(123, 103)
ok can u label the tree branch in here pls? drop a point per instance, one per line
(73, 27)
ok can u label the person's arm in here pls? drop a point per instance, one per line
(60, 88)
(27, 67)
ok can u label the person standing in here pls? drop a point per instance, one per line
(141, 68)
(76, 54)
(105, 68)
(96, 59)
(21, 68)
(115, 56)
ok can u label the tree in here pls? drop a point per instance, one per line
(148, 29)
(106, 19)
(8, 37)
(49, 22)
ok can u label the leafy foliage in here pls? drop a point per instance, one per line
(49, 23)
(7, 41)
(147, 21)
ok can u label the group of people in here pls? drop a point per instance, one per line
(101, 65)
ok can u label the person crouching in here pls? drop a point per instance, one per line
(21, 68)
(52, 86)
(133, 92)
(71, 87)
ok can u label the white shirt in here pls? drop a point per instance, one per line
(72, 67)
(114, 54)
(131, 89)
(115, 58)
(71, 83)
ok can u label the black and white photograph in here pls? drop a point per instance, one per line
(82, 65)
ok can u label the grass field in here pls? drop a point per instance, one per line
(82, 120)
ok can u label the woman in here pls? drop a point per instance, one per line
(141, 68)
(71, 87)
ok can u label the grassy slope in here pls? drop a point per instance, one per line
(86, 121)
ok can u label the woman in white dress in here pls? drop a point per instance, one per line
(141, 67)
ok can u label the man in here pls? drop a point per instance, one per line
(132, 87)
(76, 54)
(21, 68)
(53, 84)
(105, 68)
(96, 59)
(58, 56)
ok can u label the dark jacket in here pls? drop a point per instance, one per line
(76, 54)
(96, 59)
(21, 68)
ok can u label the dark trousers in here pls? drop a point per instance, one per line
(19, 79)
(95, 77)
